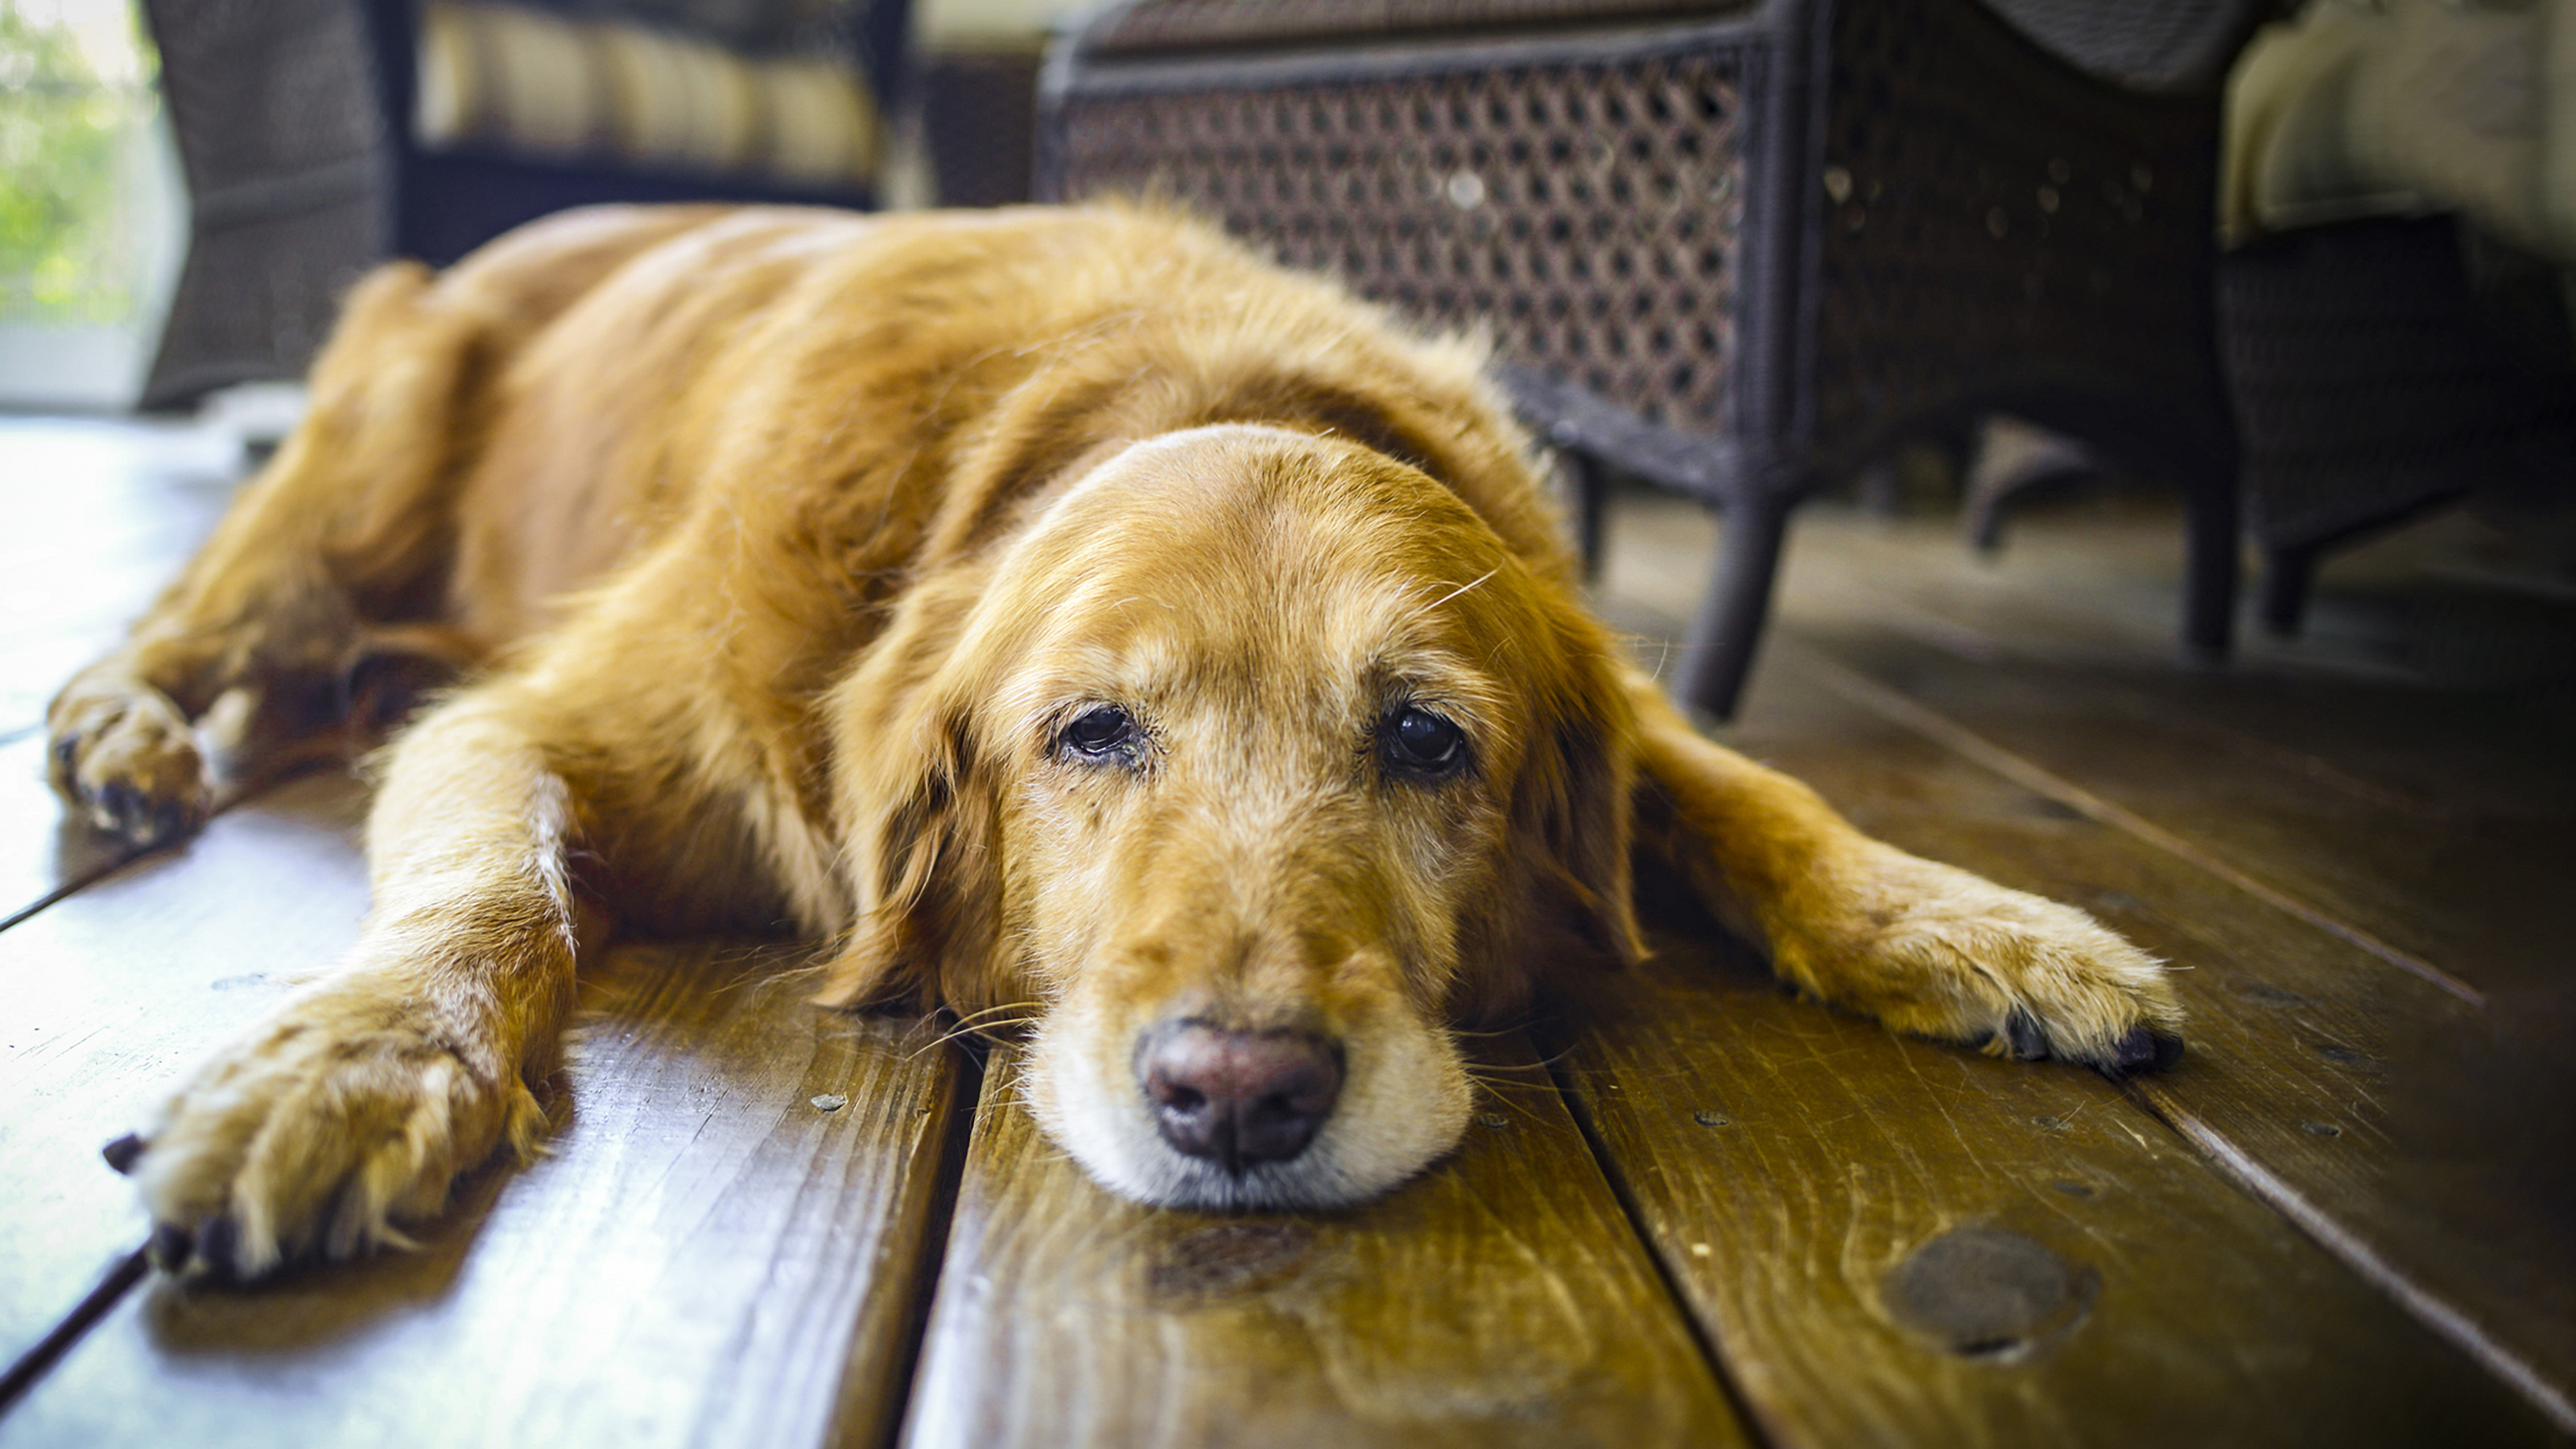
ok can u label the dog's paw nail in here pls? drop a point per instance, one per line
(169, 821)
(122, 805)
(2028, 1038)
(216, 1240)
(169, 1247)
(122, 1152)
(2144, 1050)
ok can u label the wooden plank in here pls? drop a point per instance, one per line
(41, 852)
(2410, 1132)
(2318, 1073)
(1903, 1243)
(115, 991)
(1501, 1299)
(96, 519)
(2461, 885)
(704, 1256)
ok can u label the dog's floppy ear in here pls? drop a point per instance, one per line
(914, 806)
(1566, 876)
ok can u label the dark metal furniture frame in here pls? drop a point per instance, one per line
(1733, 250)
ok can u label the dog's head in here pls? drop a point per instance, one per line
(1248, 767)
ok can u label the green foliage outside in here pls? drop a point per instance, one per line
(66, 250)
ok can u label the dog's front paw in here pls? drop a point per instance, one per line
(315, 1136)
(130, 764)
(1930, 949)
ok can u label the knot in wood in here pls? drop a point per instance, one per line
(1987, 1292)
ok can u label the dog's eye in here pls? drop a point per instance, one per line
(1099, 733)
(1422, 743)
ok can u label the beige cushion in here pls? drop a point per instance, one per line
(496, 76)
(2408, 107)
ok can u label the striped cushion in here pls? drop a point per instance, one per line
(547, 86)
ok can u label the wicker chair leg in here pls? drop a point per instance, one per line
(2014, 462)
(1718, 655)
(2287, 575)
(1981, 516)
(2209, 611)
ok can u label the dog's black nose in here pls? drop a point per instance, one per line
(1239, 1097)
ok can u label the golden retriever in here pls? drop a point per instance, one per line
(1060, 607)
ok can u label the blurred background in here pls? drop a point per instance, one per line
(2299, 271)
(92, 215)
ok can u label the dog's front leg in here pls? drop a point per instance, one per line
(1923, 947)
(351, 1108)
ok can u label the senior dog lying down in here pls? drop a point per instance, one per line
(1053, 607)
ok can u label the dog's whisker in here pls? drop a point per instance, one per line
(984, 1019)
(959, 1033)
(1500, 1086)
(1476, 1035)
(968, 1016)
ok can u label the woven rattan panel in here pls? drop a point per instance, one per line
(258, 296)
(1588, 214)
(1993, 218)
(1206, 25)
(261, 89)
(2366, 385)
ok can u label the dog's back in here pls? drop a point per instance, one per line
(875, 388)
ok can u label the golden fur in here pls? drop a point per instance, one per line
(782, 546)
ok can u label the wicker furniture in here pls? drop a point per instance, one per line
(1732, 249)
(2369, 390)
(303, 143)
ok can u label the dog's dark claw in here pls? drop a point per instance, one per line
(169, 1247)
(2144, 1050)
(120, 1154)
(169, 821)
(2028, 1038)
(121, 803)
(215, 1243)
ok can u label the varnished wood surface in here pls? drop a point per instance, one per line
(2342, 1087)
(1501, 1299)
(94, 519)
(41, 854)
(2441, 867)
(113, 993)
(2417, 1132)
(1904, 1243)
(703, 1256)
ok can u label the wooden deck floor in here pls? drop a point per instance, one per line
(1692, 1211)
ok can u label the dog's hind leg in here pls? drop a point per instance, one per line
(1923, 947)
(348, 525)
